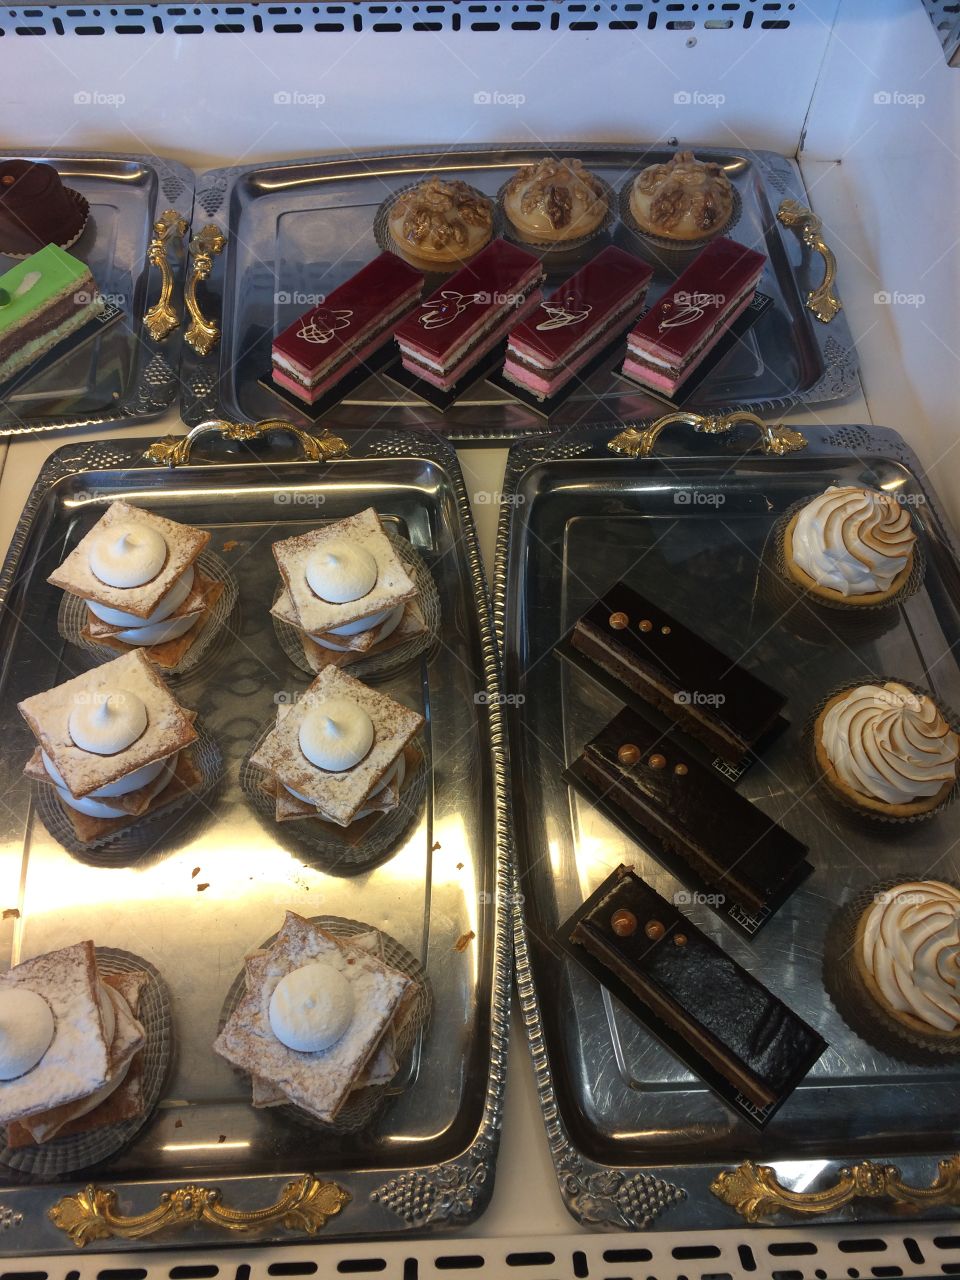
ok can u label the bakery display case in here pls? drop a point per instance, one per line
(631, 695)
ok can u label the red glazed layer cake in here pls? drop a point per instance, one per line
(675, 334)
(569, 328)
(328, 341)
(460, 323)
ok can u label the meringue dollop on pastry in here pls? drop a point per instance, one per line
(26, 1031)
(311, 1008)
(851, 544)
(440, 222)
(887, 749)
(684, 199)
(336, 734)
(909, 950)
(554, 201)
(341, 572)
(107, 724)
(127, 555)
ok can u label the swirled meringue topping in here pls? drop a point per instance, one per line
(311, 1008)
(108, 724)
(26, 1031)
(339, 572)
(853, 541)
(911, 947)
(127, 555)
(336, 735)
(890, 743)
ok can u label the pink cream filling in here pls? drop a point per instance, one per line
(453, 376)
(634, 368)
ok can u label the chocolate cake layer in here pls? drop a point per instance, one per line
(735, 850)
(701, 998)
(694, 684)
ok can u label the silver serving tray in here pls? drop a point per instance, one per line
(427, 1162)
(122, 374)
(301, 227)
(685, 529)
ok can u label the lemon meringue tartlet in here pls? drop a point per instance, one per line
(851, 545)
(887, 750)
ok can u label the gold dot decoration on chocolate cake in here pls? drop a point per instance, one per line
(629, 754)
(680, 770)
(657, 761)
(619, 621)
(623, 923)
(654, 930)
(646, 626)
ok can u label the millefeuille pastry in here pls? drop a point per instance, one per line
(851, 546)
(554, 201)
(886, 750)
(137, 572)
(346, 591)
(70, 1050)
(113, 744)
(318, 1018)
(340, 753)
(36, 209)
(437, 224)
(684, 200)
(43, 300)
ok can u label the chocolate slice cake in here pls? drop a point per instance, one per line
(465, 319)
(668, 343)
(569, 328)
(43, 299)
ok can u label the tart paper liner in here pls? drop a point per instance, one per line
(325, 841)
(556, 247)
(72, 618)
(362, 1105)
(142, 833)
(82, 203)
(378, 665)
(826, 790)
(678, 250)
(431, 270)
(856, 1006)
(836, 607)
(50, 1160)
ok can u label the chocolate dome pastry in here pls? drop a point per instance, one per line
(36, 209)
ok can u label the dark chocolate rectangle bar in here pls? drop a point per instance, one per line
(739, 856)
(719, 1020)
(670, 666)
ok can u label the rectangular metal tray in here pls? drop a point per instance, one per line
(299, 228)
(122, 374)
(436, 1142)
(687, 530)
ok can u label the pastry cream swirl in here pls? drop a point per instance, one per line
(911, 948)
(890, 743)
(854, 541)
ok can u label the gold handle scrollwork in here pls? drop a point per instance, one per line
(305, 1205)
(755, 1192)
(639, 442)
(175, 451)
(822, 301)
(161, 319)
(202, 334)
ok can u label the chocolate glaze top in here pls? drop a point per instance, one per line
(690, 310)
(36, 209)
(729, 1005)
(686, 664)
(327, 330)
(582, 305)
(740, 844)
(492, 282)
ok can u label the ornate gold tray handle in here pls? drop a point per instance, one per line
(639, 442)
(162, 318)
(202, 334)
(822, 301)
(175, 451)
(305, 1205)
(755, 1192)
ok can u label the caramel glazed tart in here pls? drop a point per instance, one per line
(136, 572)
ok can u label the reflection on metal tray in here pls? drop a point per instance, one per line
(687, 530)
(298, 229)
(124, 373)
(427, 1162)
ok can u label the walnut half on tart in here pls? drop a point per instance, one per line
(440, 222)
(683, 199)
(554, 201)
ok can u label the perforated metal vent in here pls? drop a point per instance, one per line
(945, 16)
(448, 17)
